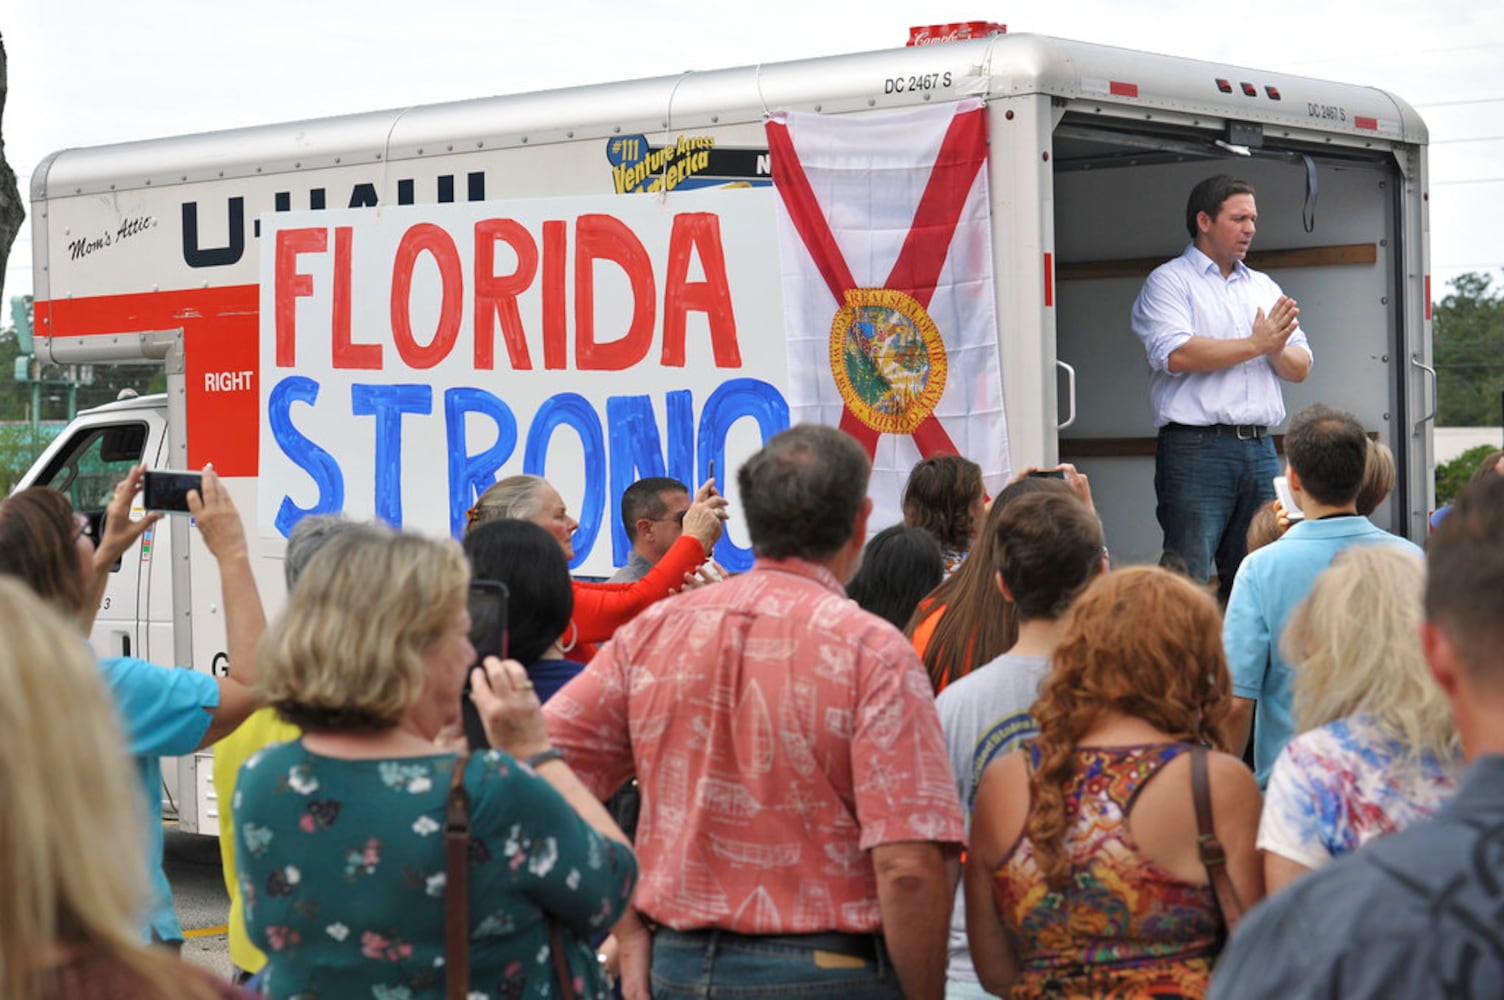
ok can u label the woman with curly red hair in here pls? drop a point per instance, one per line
(1084, 876)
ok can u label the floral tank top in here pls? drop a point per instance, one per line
(1124, 927)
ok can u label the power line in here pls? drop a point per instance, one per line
(1476, 138)
(1486, 46)
(1459, 103)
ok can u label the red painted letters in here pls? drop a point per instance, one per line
(605, 237)
(698, 232)
(345, 353)
(426, 237)
(499, 297)
(496, 294)
(292, 286)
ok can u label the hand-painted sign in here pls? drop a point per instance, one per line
(411, 356)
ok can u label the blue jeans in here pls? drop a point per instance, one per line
(704, 964)
(1209, 483)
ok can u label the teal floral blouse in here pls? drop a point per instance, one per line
(341, 866)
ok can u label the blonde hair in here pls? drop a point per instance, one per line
(1378, 478)
(514, 497)
(72, 822)
(347, 654)
(1355, 646)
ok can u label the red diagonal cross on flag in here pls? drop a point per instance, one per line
(916, 272)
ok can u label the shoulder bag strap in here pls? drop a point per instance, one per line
(1212, 855)
(456, 885)
(561, 963)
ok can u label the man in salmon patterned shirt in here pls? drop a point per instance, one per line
(799, 817)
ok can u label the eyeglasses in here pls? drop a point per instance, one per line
(676, 518)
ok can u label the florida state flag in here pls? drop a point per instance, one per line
(885, 247)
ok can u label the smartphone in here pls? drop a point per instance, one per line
(1049, 473)
(488, 634)
(168, 491)
(1287, 499)
(712, 469)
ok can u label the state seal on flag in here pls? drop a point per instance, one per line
(887, 358)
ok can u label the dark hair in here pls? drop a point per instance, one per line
(1049, 546)
(1328, 449)
(802, 492)
(1465, 578)
(1208, 197)
(976, 624)
(644, 498)
(529, 561)
(938, 498)
(38, 545)
(899, 566)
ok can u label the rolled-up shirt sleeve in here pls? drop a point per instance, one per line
(1162, 318)
(165, 710)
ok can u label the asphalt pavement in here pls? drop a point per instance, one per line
(198, 891)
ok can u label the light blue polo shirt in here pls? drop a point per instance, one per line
(164, 713)
(1270, 583)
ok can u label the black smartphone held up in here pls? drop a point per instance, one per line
(488, 634)
(168, 491)
(1049, 473)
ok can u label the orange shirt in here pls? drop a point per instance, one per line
(925, 630)
(601, 608)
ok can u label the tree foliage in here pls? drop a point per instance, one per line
(1452, 476)
(12, 210)
(1468, 327)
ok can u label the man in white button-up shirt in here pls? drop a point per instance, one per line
(1219, 337)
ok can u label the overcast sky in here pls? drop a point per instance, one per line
(85, 72)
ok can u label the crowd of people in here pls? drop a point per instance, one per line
(806, 797)
(965, 758)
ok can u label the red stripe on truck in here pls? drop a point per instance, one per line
(1119, 89)
(1371, 124)
(221, 352)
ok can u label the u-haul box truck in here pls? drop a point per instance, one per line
(382, 313)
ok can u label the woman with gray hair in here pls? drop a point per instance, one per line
(601, 608)
(341, 861)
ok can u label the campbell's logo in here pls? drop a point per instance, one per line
(959, 31)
